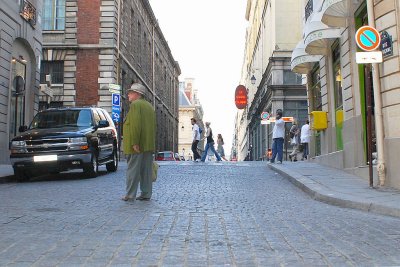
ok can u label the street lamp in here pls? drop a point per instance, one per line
(253, 79)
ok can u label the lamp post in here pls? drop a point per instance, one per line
(253, 80)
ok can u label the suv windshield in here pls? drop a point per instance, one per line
(62, 118)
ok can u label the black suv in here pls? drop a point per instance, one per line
(65, 138)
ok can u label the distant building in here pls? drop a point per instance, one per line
(189, 107)
(273, 31)
(88, 45)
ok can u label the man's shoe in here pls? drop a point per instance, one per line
(279, 162)
(126, 198)
(143, 198)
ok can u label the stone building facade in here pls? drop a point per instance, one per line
(20, 50)
(267, 75)
(337, 85)
(90, 44)
(189, 107)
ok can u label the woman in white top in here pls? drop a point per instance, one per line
(305, 138)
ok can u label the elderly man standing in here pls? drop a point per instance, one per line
(139, 144)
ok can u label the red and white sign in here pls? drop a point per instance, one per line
(241, 97)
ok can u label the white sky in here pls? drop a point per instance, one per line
(207, 38)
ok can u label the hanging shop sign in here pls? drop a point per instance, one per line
(241, 97)
(386, 44)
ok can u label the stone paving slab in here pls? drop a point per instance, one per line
(336, 187)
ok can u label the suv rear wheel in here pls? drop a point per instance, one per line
(92, 169)
(113, 166)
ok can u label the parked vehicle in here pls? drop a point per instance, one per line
(65, 138)
(165, 156)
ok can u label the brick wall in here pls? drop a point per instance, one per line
(88, 22)
(87, 75)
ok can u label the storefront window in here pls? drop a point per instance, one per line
(315, 89)
(53, 15)
(337, 86)
(316, 103)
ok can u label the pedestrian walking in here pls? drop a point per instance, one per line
(195, 139)
(220, 147)
(305, 139)
(294, 134)
(139, 144)
(278, 134)
(210, 144)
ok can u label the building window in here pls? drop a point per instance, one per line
(337, 75)
(139, 42)
(337, 88)
(291, 78)
(55, 69)
(53, 15)
(297, 109)
(315, 89)
(308, 10)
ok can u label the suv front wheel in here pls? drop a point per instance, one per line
(92, 169)
(113, 165)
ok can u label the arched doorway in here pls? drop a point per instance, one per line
(22, 84)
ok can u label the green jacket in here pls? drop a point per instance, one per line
(140, 127)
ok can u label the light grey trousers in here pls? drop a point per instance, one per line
(139, 170)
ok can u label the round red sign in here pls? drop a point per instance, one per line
(241, 97)
(368, 38)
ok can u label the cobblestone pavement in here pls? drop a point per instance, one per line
(201, 214)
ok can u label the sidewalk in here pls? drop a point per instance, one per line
(337, 187)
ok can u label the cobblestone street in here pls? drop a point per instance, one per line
(201, 214)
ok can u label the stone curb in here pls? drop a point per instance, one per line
(317, 192)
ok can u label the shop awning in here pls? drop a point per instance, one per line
(302, 62)
(335, 12)
(318, 35)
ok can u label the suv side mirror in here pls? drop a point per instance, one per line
(22, 128)
(103, 124)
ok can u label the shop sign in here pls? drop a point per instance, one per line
(28, 12)
(241, 97)
(386, 44)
